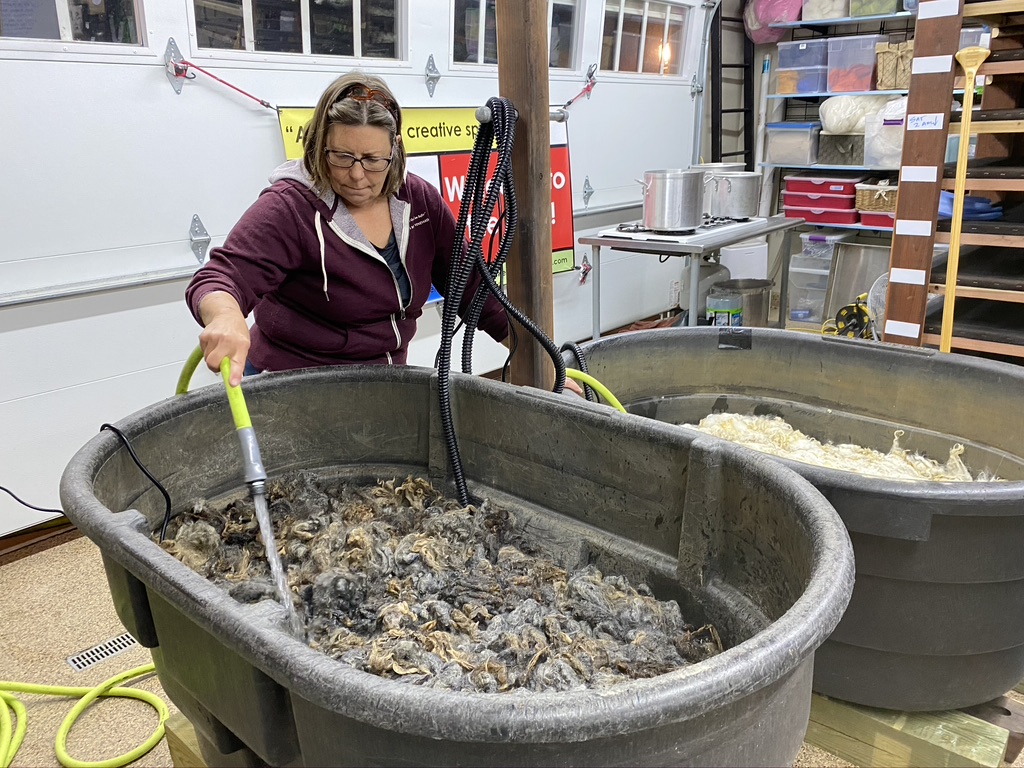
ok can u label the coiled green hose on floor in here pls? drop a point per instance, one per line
(11, 737)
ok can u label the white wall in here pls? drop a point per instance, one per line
(105, 165)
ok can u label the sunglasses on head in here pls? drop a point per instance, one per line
(360, 92)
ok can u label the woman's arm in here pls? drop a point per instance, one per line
(225, 333)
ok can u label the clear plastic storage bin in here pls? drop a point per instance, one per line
(803, 53)
(803, 80)
(793, 143)
(969, 36)
(851, 63)
(821, 244)
(806, 298)
(883, 143)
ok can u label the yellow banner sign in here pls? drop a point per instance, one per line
(439, 142)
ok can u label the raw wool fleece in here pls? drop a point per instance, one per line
(401, 582)
(773, 435)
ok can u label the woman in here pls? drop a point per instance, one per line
(336, 258)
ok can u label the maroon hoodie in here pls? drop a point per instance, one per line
(320, 292)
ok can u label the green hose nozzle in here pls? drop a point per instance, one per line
(255, 475)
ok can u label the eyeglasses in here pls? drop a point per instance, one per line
(345, 160)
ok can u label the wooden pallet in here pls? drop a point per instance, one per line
(871, 737)
(861, 735)
(182, 742)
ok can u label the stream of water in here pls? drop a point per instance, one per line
(276, 569)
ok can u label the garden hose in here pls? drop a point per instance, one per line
(11, 737)
(190, 368)
(255, 475)
(597, 386)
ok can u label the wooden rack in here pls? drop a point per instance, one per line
(991, 280)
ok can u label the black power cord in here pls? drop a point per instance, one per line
(479, 200)
(135, 458)
(147, 473)
(30, 506)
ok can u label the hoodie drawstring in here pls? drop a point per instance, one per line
(323, 262)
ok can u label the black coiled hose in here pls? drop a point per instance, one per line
(479, 201)
(581, 364)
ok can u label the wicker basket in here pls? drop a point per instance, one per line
(893, 65)
(877, 198)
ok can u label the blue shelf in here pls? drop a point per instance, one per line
(820, 94)
(861, 227)
(817, 167)
(840, 21)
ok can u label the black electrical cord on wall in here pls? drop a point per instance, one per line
(479, 200)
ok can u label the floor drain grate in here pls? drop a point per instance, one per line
(101, 652)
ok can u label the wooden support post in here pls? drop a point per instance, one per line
(523, 79)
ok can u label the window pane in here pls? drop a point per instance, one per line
(380, 28)
(103, 21)
(35, 19)
(332, 33)
(563, 26)
(219, 24)
(490, 33)
(466, 45)
(654, 38)
(610, 35)
(277, 25)
(464, 31)
(632, 25)
(676, 35)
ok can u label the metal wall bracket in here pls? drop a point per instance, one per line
(432, 75)
(588, 192)
(174, 65)
(696, 87)
(199, 238)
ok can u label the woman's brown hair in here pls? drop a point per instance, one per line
(354, 99)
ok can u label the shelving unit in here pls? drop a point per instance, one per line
(805, 106)
(990, 285)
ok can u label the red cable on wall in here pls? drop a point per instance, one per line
(181, 70)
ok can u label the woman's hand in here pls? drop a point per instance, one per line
(572, 386)
(225, 334)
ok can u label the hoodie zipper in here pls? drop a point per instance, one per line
(373, 254)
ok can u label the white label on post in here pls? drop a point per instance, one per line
(906, 276)
(932, 121)
(913, 227)
(929, 65)
(909, 330)
(936, 9)
(925, 173)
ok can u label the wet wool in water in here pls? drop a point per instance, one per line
(397, 580)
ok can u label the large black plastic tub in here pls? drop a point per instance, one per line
(735, 537)
(937, 615)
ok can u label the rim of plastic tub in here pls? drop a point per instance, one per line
(995, 491)
(572, 716)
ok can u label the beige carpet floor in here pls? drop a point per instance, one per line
(56, 605)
